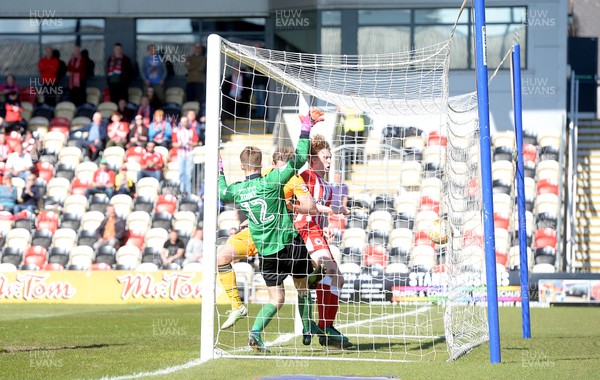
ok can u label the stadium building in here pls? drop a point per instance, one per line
(327, 27)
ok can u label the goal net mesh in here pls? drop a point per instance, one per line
(409, 156)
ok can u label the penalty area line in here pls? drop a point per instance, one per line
(164, 371)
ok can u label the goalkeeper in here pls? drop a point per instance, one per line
(281, 249)
(240, 246)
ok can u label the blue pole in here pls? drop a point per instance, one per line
(518, 110)
(486, 180)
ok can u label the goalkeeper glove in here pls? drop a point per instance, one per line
(221, 169)
(308, 121)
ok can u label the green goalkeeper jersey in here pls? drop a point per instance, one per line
(263, 200)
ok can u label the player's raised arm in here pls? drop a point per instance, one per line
(282, 175)
(308, 121)
(225, 192)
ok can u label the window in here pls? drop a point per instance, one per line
(331, 32)
(393, 30)
(174, 38)
(23, 41)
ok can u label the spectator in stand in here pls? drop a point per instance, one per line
(90, 66)
(48, 67)
(159, 130)
(29, 197)
(111, 231)
(32, 145)
(339, 195)
(13, 121)
(127, 112)
(154, 72)
(19, 163)
(195, 247)
(173, 250)
(96, 135)
(119, 72)
(103, 181)
(4, 148)
(236, 96)
(62, 71)
(153, 99)
(123, 183)
(184, 140)
(196, 75)
(198, 127)
(8, 194)
(117, 131)
(77, 69)
(138, 133)
(10, 85)
(144, 110)
(152, 163)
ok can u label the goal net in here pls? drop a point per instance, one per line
(409, 240)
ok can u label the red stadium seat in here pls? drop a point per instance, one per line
(60, 122)
(439, 268)
(36, 255)
(136, 238)
(422, 238)
(101, 266)
(375, 255)
(48, 220)
(78, 187)
(429, 204)
(61, 129)
(45, 170)
(529, 153)
(337, 222)
(134, 154)
(501, 258)
(166, 203)
(53, 266)
(13, 139)
(473, 187)
(547, 186)
(434, 138)
(545, 238)
(501, 220)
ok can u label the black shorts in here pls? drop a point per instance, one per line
(292, 260)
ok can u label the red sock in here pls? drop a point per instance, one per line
(322, 302)
(331, 308)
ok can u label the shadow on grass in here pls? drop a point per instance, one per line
(6, 350)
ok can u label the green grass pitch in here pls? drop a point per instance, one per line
(65, 342)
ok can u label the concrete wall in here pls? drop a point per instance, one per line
(139, 8)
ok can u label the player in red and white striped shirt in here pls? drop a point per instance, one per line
(310, 228)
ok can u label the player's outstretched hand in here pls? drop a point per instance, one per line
(308, 121)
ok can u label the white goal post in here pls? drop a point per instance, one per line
(405, 298)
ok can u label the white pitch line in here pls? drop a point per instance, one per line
(287, 337)
(282, 339)
(165, 371)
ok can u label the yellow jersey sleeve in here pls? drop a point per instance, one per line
(295, 186)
